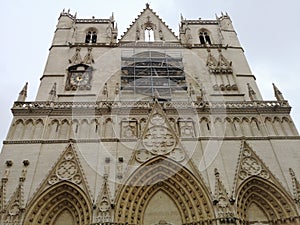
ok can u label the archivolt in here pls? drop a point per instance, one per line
(160, 173)
(274, 202)
(64, 196)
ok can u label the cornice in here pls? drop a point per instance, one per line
(200, 21)
(93, 20)
(100, 140)
(141, 44)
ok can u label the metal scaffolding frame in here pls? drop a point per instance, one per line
(152, 72)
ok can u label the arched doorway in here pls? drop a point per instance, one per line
(168, 186)
(63, 203)
(260, 201)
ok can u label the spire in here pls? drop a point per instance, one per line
(23, 94)
(222, 201)
(112, 18)
(252, 94)
(52, 93)
(278, 93)
(104, 203)
(181, 17)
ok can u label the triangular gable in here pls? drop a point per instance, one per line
(158, 138)
(67, 168)
(249, 164)
(14, 208)
(221, 198)
(148, 20)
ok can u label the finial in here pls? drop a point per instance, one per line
(23, 94)
(105, 91)
(292, 172)
(112, 18)
(278, 93)
(52, 93)
(181, 16)
(217, 174)
(252, 94)
(147, 5)
(117, 89)
(75, 15)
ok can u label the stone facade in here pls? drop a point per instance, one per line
(150, 129)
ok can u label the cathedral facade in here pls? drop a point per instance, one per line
(151, 128)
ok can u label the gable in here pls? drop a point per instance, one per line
(148, 24)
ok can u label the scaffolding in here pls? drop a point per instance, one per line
(152, 73)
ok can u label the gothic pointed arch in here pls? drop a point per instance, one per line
(64, 190)
(160, 173)
(64, 196)
(273, 201)
(255, 185)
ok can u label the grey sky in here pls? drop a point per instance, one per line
(268, 31)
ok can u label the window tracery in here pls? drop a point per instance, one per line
(91, 37)
(204, 37)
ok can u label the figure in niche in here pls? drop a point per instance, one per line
(186, 128)
(128, 132)
(161, 36)
(129, 129)
(138, 34)
(108, 129)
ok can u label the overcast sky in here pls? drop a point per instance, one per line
(268, 31)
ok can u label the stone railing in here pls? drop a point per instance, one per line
(254, 106)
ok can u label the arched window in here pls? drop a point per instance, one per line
(91, 37)
(149, 35)
(204, 38)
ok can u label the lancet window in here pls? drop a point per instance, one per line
(204, 37)
(91, 37)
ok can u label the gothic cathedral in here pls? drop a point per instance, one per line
(149, 128)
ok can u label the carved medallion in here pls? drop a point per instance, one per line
(142, 155)
(66, 170)
(159, 140)
(251, 165)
